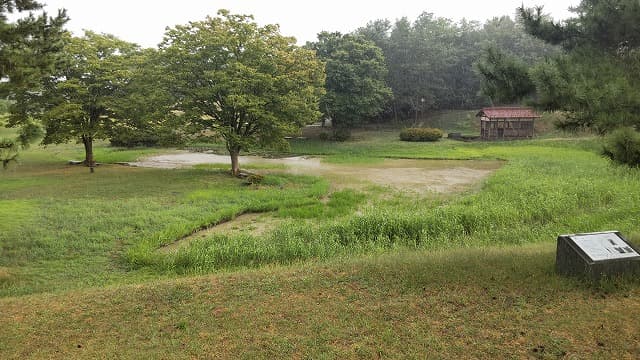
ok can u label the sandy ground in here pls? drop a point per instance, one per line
(418, 176)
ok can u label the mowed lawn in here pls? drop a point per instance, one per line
(350, 273)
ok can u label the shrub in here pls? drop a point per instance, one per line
(421, 134)
(130, 137)
(341, 134)
(254, 179)
(623, 146)
(324, 136)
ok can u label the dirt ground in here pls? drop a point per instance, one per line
(413, 176)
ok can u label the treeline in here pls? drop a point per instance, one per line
(432, 61)
(429, 64)
(245, 84)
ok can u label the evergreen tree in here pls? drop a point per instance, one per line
(597, 82)
(29, 51)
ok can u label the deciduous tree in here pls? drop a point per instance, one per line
(78, 101)
(355, 85)
(245, 82)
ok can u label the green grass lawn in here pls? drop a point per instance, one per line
(348, 273)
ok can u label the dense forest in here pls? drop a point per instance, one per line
(432, 62)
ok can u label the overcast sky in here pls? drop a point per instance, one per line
(144, 21)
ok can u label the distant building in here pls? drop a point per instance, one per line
(506, 123)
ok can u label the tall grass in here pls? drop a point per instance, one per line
(541, 193)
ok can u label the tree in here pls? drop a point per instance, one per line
(29, 49)
(247, 83)
(504, 79)
(146, 100)
(78, 101)
(510, 37)
(355, 86)
(597, 82)
(378, 32)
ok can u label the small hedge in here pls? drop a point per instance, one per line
(623, 146)
(421, 134)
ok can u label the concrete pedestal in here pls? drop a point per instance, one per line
(595, 255)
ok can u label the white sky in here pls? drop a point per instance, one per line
(144, 21)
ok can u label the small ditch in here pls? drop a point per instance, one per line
(256, 224)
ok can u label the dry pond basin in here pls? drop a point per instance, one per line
(407, 175)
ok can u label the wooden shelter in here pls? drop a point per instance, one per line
(506, 123)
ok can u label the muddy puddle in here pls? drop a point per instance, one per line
(407, 175)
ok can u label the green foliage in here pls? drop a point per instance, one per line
(510, 37)
(611, 25)
(147, 134)
(8, 152)
(79, 102)
(421, 134)
(29, 47)
(29, 50)
(29, 132)
(623, 146)
(597, 82)
(505, 79)
(4, 106)
(430, 61)
(147, 101)
(597, 91)
(355, 88)
(247, 83)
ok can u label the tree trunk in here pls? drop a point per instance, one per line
(235, 165)
(88, 152)
(395, 112)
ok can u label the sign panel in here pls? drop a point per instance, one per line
(604, 246)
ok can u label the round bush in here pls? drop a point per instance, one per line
(421, 134)
(623, 146)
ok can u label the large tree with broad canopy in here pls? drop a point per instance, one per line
(244, 82)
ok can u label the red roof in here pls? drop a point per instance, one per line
(508, 113)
